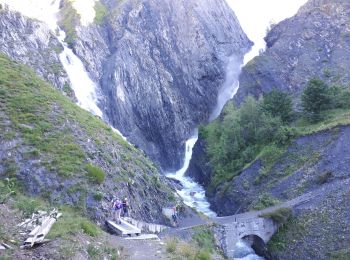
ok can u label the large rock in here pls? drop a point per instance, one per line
(160, 64)
(313, 43)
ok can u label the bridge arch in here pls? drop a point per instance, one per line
(258, 245)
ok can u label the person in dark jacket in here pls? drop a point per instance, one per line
(125, 207)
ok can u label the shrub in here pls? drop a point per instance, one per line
(27, 205)
(264, 201)
(285, 135)
(95, 174)
(89, 228)
(280, 215)
(186, 250)
(203, 255)
(340, 97)
(93, 251)
(98, 196)
(100, 12)
(171, 245)
(278, 104)
(204, 239)
(68, 21)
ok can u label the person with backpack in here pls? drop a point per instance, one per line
(125, 207)
(174, 217)
(117, 208)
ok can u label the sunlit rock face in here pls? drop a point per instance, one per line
(314, 43)
(162, 66)
(32, 42)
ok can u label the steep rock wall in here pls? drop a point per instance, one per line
(313, 43)
(161, 67)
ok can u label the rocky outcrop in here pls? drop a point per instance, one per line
(313, 43)
(200, 169)
(160, 65)
(31, 42)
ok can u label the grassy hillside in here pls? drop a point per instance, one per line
(53, 149)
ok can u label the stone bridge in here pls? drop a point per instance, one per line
(251, 226)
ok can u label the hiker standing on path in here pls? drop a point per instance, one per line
(125, 207)
(174, 217)
(117, 208)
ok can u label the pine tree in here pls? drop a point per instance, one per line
(315, 99)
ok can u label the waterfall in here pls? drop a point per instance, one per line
(192, 193)
(82, 85)
(85, 89)
(230, 86)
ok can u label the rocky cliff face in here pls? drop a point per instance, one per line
(314, 43)
(160, 65)
(32, 43)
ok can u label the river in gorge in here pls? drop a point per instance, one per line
(192, 193)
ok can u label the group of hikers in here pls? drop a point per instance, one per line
(120, 206)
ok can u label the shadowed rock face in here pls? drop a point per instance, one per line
(163, 64)
(314, 43)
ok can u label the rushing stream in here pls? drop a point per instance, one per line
(256, 31)
(193, 193)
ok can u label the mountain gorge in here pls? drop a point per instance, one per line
(301, 156)
(157, 76)
(158, 67)
(153, 85)
(156, 86)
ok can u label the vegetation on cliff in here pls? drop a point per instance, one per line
(69, 19)
(263, 128)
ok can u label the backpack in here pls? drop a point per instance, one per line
(118, 205)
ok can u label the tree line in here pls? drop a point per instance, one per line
(242, 133)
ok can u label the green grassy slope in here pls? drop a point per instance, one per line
(55, 149)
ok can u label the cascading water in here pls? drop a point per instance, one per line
(193, 193)
(83, 86)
